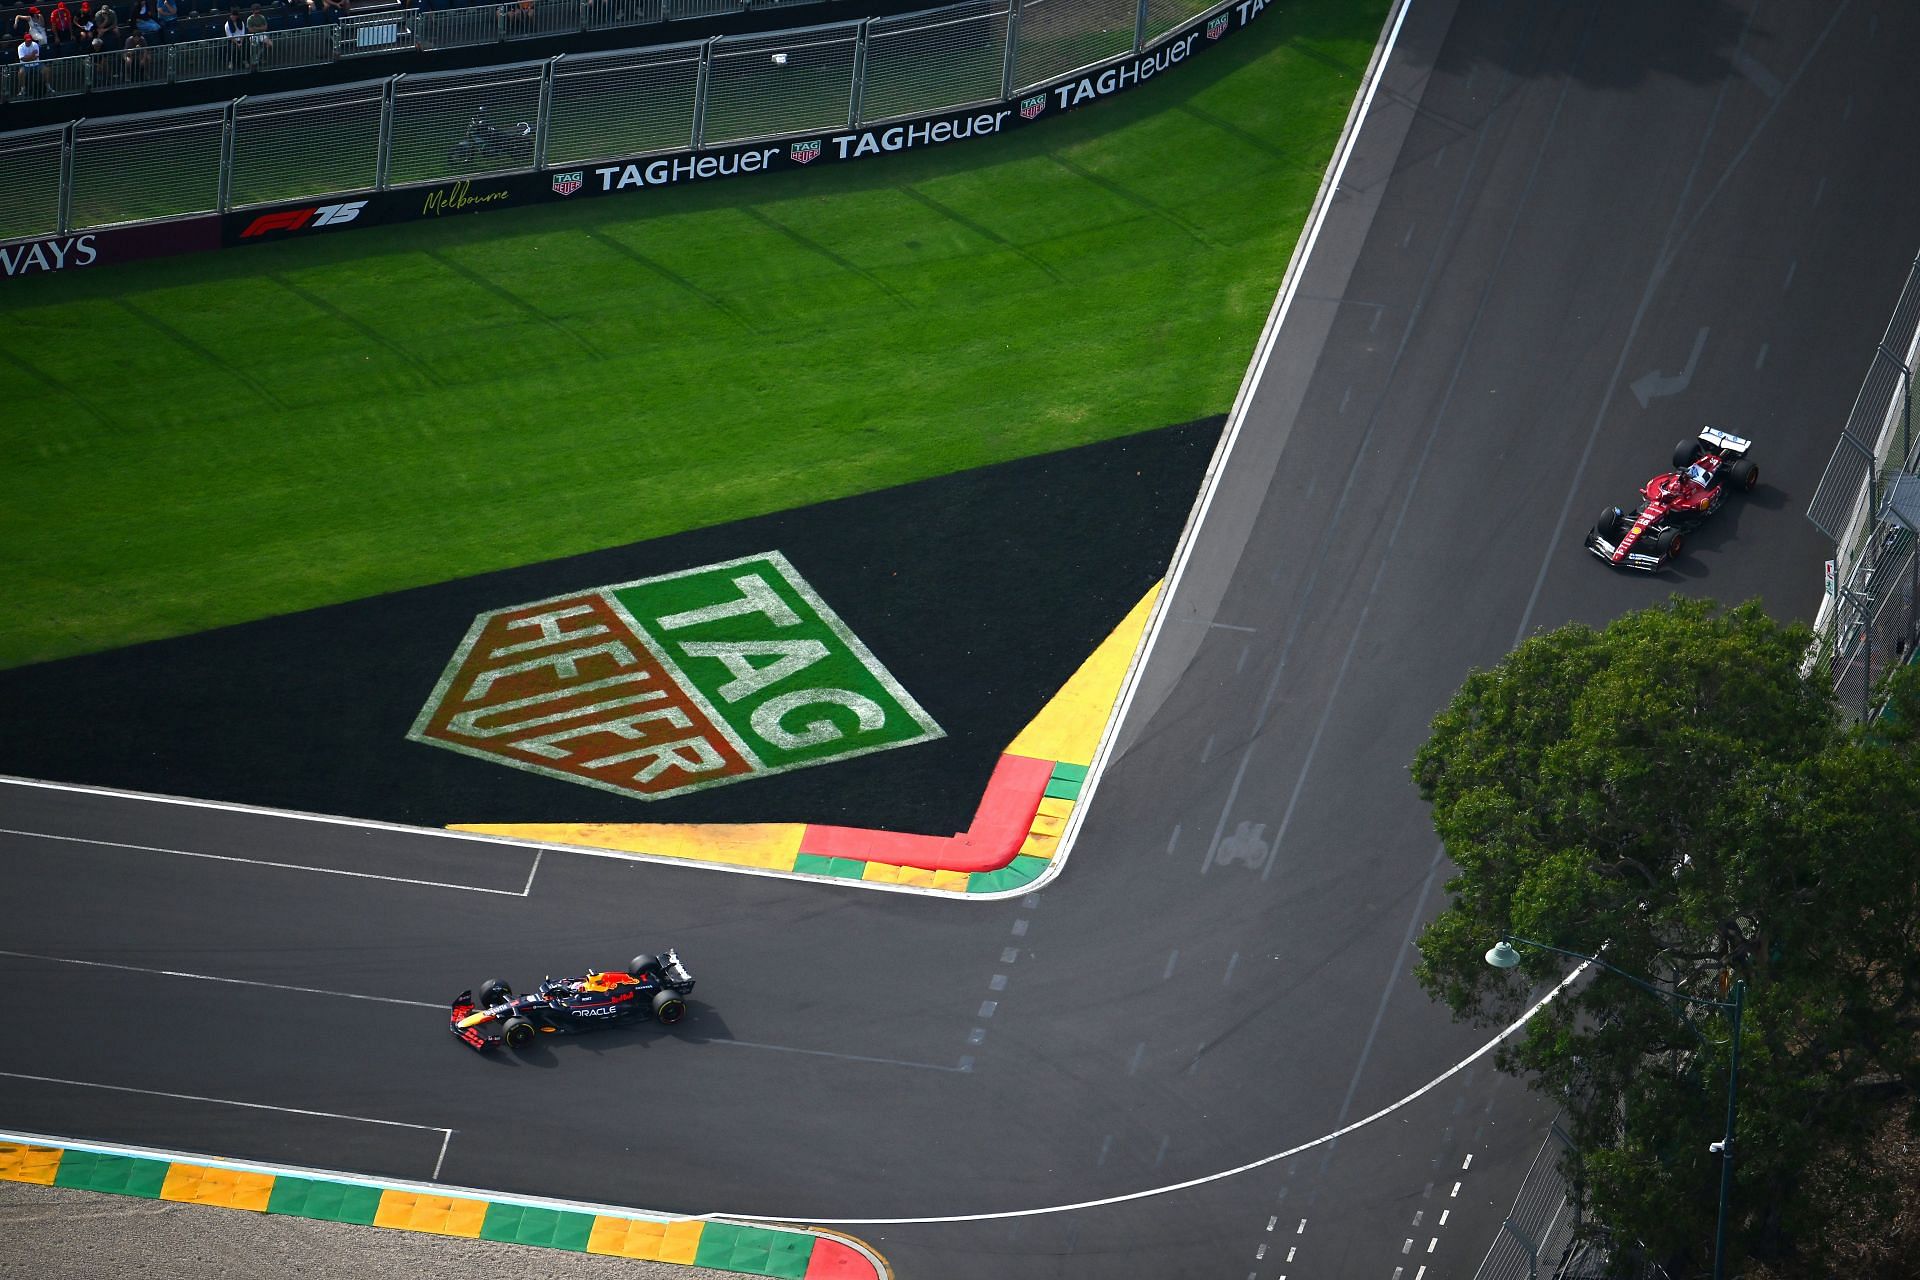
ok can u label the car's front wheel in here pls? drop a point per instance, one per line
(1667, 543)
(493, 993)
(1608, 525)
(668, 1007)
(518, 1033)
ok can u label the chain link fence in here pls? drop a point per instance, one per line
(409, 130)
(1868, 503)
(391, 31)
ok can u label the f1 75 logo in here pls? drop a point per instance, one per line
(326, 215)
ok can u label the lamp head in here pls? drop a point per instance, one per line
(1502, 955)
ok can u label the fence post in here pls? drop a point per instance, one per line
(500, 23)
(1013, 48)
(856, 98)
(1140, 27)
(541, 121)
(333, 43)
(66, 174)
(700, 92)
(226, 152)
(383, 166)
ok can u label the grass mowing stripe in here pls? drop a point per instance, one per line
(838, 261)
(1050, 311)
(319, 303)
(599, 236)
(985, 233)
(215, 365)
(499, 290)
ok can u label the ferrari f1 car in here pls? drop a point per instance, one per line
(651, 987)
(1705, 470)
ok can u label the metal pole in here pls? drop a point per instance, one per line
(857, 93)
(700, 93)
(66, 175)
(545, 114)
(384, 157)
(1140, 26)
(1007, 68)
(226, 152)
(1726, 1143)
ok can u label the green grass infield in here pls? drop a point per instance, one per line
(205, 440)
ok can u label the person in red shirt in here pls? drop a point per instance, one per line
(60, 28)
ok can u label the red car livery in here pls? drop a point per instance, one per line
(1705, 470)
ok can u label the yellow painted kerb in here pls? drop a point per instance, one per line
(771, 845)
(1068, 728)
(19, 1163)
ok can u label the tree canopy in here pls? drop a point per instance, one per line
(1672, 794)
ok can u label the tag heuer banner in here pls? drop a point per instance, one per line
(676, 168)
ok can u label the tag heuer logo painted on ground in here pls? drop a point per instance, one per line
(1031, 107)
(565, 184)
(806, 152)
(670, 684)
(1217, 28)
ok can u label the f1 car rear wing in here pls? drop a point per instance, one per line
(1725, 441)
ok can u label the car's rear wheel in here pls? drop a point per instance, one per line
(518, 1033)
(494, 992)
(668, 1007)
(643, 964)
(1744, 473)
(1667, 543)
(1685, 453)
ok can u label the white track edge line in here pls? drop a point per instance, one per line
(1216, 470)
(1222, 1174)
(223, 1102)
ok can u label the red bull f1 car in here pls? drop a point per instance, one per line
(1705, 470)
(651, 987)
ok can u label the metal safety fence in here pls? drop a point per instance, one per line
(408, 130)
(1868, 503)
(385, 32)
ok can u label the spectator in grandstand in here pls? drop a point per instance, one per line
(108, 23)
(235, 30)
(335, 10)
(167, 12)
(32, 24)
(60, 30)
(259, 43)
(143, 19)
(32, 75)
(83, 28)
(135, 58)
(298, 12)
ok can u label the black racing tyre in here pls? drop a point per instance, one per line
(643, 963)
(1743, 474)
(1684, 454)
(518, 1033)
(668, 1006)
(1608, 525)
(494, 992)
(1667, 543)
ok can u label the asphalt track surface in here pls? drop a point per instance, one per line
(1545, 204)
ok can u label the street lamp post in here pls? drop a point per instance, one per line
(1502, 955)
